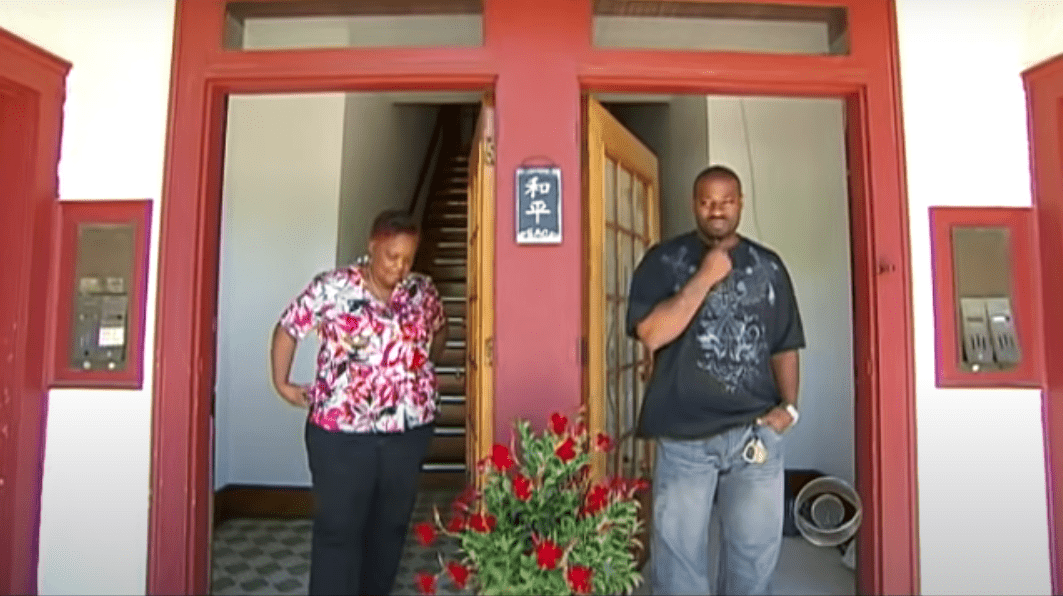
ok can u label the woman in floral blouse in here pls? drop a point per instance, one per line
(371, 406)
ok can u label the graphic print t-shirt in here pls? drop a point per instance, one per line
(717, 374)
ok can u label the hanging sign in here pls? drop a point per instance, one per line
(538, 205)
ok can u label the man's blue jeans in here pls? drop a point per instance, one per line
(688, 477)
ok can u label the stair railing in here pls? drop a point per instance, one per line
(431, 158)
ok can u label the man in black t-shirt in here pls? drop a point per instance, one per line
(718, 312)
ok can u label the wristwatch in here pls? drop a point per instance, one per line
(794, 415)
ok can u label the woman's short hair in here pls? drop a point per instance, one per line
(392, 222)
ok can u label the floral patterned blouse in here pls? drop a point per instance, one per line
(373, 371)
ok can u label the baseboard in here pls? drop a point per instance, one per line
(262, 501)
(293, 502)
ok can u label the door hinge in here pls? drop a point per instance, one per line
(489, 151)
(489, 351)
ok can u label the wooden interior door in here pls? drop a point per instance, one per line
(623, 195)
(479, 306)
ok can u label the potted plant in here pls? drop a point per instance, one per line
(540, 524)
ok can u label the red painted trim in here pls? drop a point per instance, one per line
(35, 81)
(1025, 291)
(538, 57)
(1044, 96)
(69, 214)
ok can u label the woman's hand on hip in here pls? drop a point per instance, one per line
(294, 394)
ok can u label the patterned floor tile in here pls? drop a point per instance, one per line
(271, 557)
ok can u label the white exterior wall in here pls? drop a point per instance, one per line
(982, 511)
(94, 501)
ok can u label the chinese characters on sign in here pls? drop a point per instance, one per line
(538, 205)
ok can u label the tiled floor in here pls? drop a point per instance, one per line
(254, 556)
(258, 556)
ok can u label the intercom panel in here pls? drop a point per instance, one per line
(102, 262)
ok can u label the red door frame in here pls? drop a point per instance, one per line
(32, 85)
(538, 114)
(1044, 98)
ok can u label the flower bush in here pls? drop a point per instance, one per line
(540, 525)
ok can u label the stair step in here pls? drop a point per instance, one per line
(451, 415)
(445, 213)
(433, 222)
(455, 331)
(448, 449)
(452, 191)
(442, 369)
(450, 245)
(445, 235)
(451, 289)
(452, 358)
(458, 254)
(454, 308)
(446, 273)
(452, 399)
(451, 385)
(458, 470)
(448, 201)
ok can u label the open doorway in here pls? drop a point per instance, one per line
(790, 154)
(304, 176)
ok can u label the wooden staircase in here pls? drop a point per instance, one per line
(443, 256)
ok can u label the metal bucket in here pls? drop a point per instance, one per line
(827, 511)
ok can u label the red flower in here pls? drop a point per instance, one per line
(558, 423)
(426, 582)
(579, 579)
(426, 533)
(597, 499)
(641, 484)
(580, 429)
(547, 553)
(459, 573)
(457, 524)
(522, 487)
(501, 457)
(567, 450)
(603, 442)
(482, 522)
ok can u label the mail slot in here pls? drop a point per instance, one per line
(983, 274)
(987, 297)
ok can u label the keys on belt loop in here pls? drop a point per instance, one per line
(755, 452)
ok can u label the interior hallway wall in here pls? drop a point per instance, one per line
(280, 203)
(384, 146)
(790, 155)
